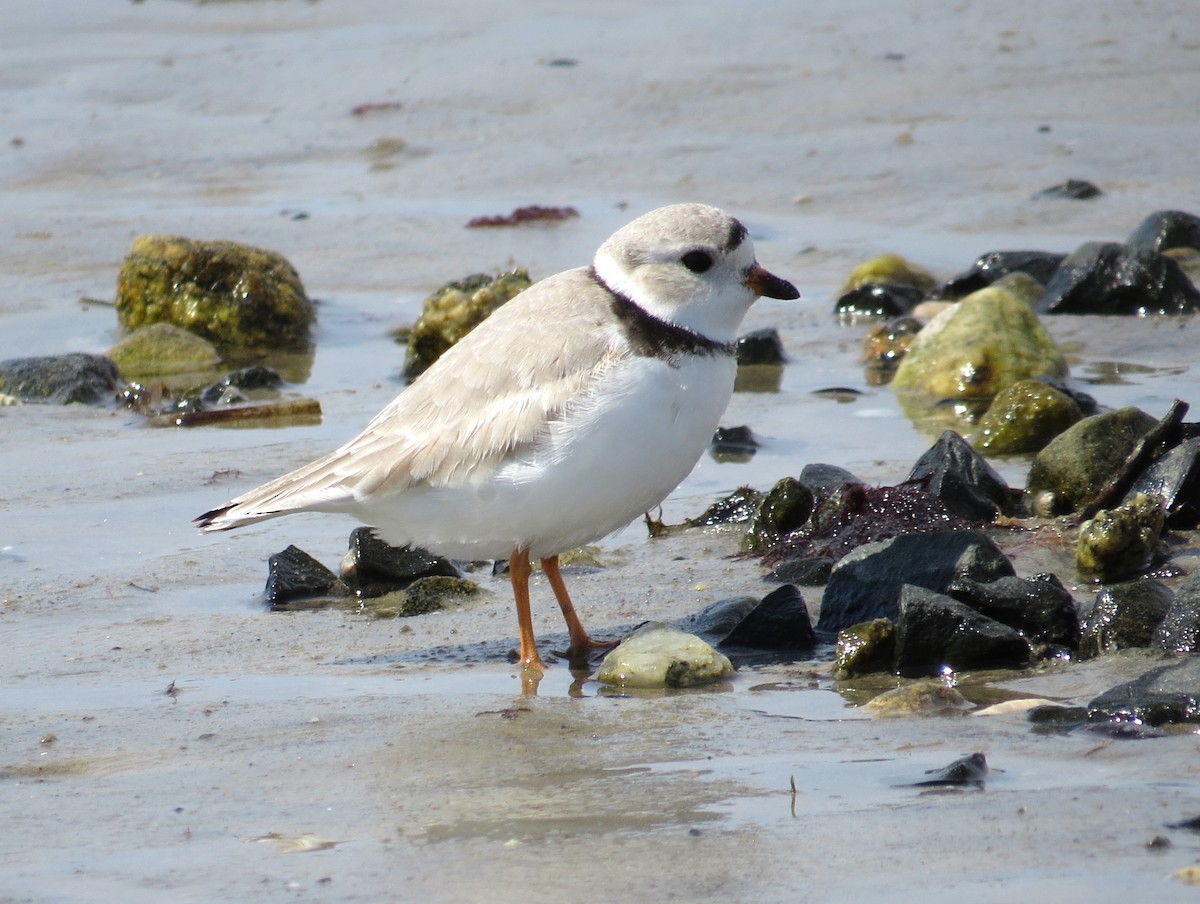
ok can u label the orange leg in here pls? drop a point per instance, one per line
(518, 571)
(581, 643)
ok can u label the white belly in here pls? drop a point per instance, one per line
(602, 466)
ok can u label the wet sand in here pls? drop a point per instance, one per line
(164, 738)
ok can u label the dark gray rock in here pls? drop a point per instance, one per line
(1124, 616)
(733, 444)
(736, 508)
(934, 631)
(784, 509)
(373, 567)
(64, 379)
(1039, 607)
(1166, 229)
(1111, 278)
(958, 475)
(1179, 631)
(809, 571)
(875, 300)
(780, 622)
(1071, 190)
(1174, 481)
(1165, 695)
(760, 347)
(866, 583)
(996, 265)
(825, 479)
(294, 575)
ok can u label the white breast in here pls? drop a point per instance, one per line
(613, 457)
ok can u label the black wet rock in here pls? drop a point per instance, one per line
(784, 509)
(998, 264)
(809, 571)
(1166, 229)
(256, 378)
(733, 444)
(1111, 278)
(934, 631)
(1040, 607)
(1124, 616)
(63, 379)
(878, 300)
(1179, 631)
(1070, 190)
(1166, 433)
(760, 347)
(958, 475)
(866, 584)
(780, 622)
(372, 567)
(1174, 481)
(1077, 464)
(865, 648)
(970, 771)
(293, 575)
(1166, 695)
(736, 508)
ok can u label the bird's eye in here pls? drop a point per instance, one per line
(697, 261)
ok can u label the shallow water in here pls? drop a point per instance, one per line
(161, 737)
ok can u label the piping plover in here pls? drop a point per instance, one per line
(573, 409)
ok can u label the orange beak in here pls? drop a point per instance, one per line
(768, 285)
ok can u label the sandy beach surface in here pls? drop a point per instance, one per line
(163, 738)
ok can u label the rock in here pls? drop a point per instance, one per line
(234, 387)
(1025, 417)
(736, 508)
(875, 300)
(422, 596)
(163, 350)
(809, 571)
(1119, 543)
(733, 444)
(1174, 481)
(63, 379)
(969, 771)
(1079, 462)
(454, 310)
(859, 514)
(934, 631)
(1124, 616)
(996, 265)
(825, 480)
(234, 295)
(779, 623)
(919, 698)
(889, 270)
(1040, 607)
(959, 476)
(885, 346)
(1111, 278)
(760, 347)
(372, 567)
(784, 509)
(1179, 631)
(864, 648)
(659, 656)
(1170, 694)
(988, 341)
(1164, 230)
(1071, 190)
(293, 575)
(866, 584)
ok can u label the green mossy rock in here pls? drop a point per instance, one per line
(889, 270)
(784, 509)
(1119, 543)
(454, 310)
(161, 350)
(235, 295)
(864, 648)
(984, 344)
(1074, 466)
(1024, 418)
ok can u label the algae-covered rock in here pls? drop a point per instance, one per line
(1119, 543)
(889, 270)
(987, 342)
(866, 647)
(1024, 417)
(1072, 469)
(785, 508)
(65, 379)
(927, 697)
(659, 656)
(163, 350)
(236, 295)
(422, 596)
(454, 310)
